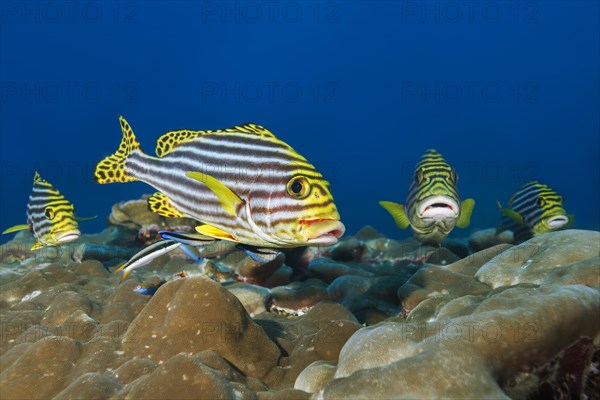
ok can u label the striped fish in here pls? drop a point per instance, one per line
(50, 217)
(534, 209)
(243, 183)
(433, 207)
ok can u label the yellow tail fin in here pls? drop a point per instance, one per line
(112, 168)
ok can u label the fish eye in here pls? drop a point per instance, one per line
(298, 187)
(49, 213)
(541, 202)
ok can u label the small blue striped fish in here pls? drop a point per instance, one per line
(243, 183)
(433, 207)
(50, 217)
(534, 209)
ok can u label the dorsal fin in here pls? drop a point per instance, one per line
(37, 177)
(168, 141)
(251, 128)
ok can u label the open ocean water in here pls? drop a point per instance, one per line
(507, 91)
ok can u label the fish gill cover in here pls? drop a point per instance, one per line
(508, 92)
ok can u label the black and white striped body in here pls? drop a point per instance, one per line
(540, 208)
(50, 216)
(256, 168)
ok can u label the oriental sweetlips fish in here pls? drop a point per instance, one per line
(50, 217)
(433, 206)
(534, 209)
(244, 184)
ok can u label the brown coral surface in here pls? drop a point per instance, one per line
(370, 317)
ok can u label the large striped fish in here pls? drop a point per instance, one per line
(534, 209)
(50, 217)
(243, 183)
(433, 207)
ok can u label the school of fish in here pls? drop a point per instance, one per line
(245, 185)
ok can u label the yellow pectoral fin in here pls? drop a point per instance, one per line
(162, 205)
(37, 245)
(229, 200)
(214, 232)
(16, 228)
(466, 209)
(571, 221)
(397, 212)
(515, 216)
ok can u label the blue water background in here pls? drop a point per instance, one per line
(506, 91)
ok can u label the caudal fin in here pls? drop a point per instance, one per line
(112, 168)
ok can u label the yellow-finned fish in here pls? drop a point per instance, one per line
(50, 217)
(243, 183)
(534, 209)
(433, 206)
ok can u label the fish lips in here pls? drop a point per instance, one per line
(68, 236)
(438, 208)
(557, 222)
(322, 232)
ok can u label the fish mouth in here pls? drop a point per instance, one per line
(67, 236)
(558, 221)
(438, 208)
(322, 232)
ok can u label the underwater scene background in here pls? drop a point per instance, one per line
(506, 91)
